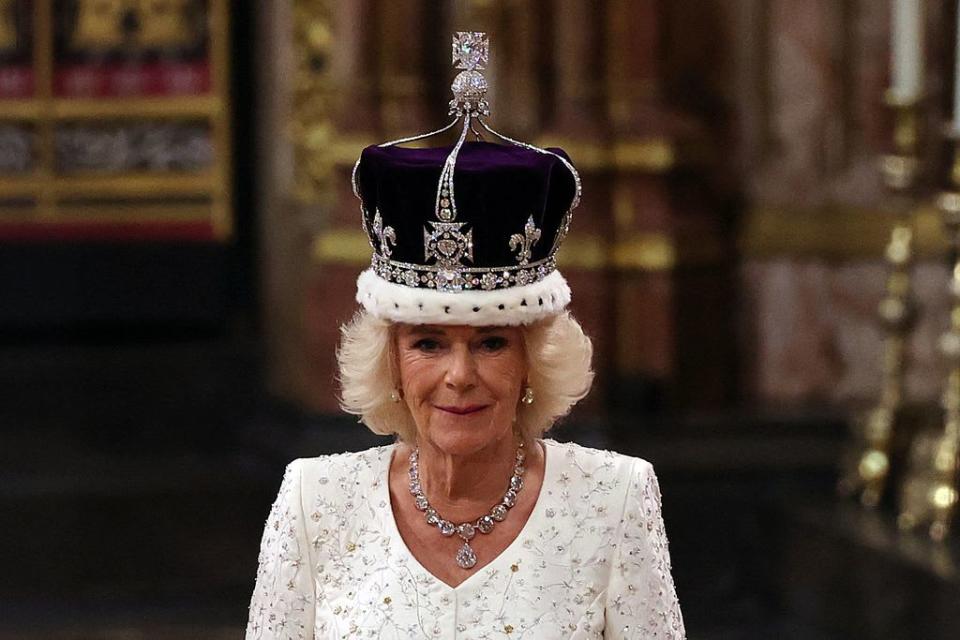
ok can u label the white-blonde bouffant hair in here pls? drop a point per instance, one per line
(558, 357)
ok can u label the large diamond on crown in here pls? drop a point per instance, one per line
(471, 50)
(448, 244)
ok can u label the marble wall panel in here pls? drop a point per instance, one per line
(808, 82)
(814, 336)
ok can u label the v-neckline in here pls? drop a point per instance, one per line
(394, 530)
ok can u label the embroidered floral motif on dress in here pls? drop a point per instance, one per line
(590, 563)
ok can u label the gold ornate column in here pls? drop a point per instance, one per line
(295, 175)
(929, 492)
(866, 469)
(313, 100)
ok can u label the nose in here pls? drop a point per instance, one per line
(461, 373)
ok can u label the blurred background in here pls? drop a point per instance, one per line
(179, 244)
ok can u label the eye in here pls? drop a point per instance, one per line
(493, 343)
(427, 345)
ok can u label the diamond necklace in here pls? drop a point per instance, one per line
(466, 557)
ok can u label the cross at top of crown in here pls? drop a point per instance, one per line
(471, 50)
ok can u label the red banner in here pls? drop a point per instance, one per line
(120, 80)
(16, 82)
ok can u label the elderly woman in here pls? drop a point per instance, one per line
(470, 525)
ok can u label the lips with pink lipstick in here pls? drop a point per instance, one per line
(462, 410)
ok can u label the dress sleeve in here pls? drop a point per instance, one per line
(282, 606)
(641, 599)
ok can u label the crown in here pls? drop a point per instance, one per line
(468, 233)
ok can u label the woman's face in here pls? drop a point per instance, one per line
(462, 384)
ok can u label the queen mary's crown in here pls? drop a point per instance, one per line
(468, 233)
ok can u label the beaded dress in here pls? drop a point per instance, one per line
(591, 561)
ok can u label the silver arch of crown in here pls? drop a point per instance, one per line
(447, 242)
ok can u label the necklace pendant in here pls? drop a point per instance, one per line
(466, 558)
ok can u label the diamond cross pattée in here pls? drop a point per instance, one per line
(471, 50)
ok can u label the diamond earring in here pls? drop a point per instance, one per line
(395, 395)
(527, 398)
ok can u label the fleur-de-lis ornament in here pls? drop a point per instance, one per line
(525, 242)
(386, 235)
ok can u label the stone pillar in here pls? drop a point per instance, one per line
(365, 41)
(403, 56)
(284, 239)
(670, 259)
(579, 63)
(356, 67)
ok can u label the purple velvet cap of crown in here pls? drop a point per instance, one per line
(497, 190)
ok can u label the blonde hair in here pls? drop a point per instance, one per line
(558, 370)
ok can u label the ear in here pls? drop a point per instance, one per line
(393, 359)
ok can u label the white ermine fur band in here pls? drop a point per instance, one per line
(512, 306)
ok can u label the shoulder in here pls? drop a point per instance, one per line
(589, 461)
(328, 483)
(338, 462)
(612, 480)
(338, 468)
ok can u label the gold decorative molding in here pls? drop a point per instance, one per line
(343, 151)
(641, 252)
(221, 124)
(342, 246)
(654, 155)
(644, 252)
(836, 233)
(200, 107)
(108, 213)
(127, 184)
(649, 155)
(589, 253)
(22, 109)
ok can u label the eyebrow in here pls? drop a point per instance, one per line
(434, 330)
(490, 329)
(426, 329)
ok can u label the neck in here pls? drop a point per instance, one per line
(463, 487)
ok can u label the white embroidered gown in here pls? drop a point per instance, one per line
(591, 562)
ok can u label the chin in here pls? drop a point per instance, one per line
(464, 435)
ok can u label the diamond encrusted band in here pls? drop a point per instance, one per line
(479, 278)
